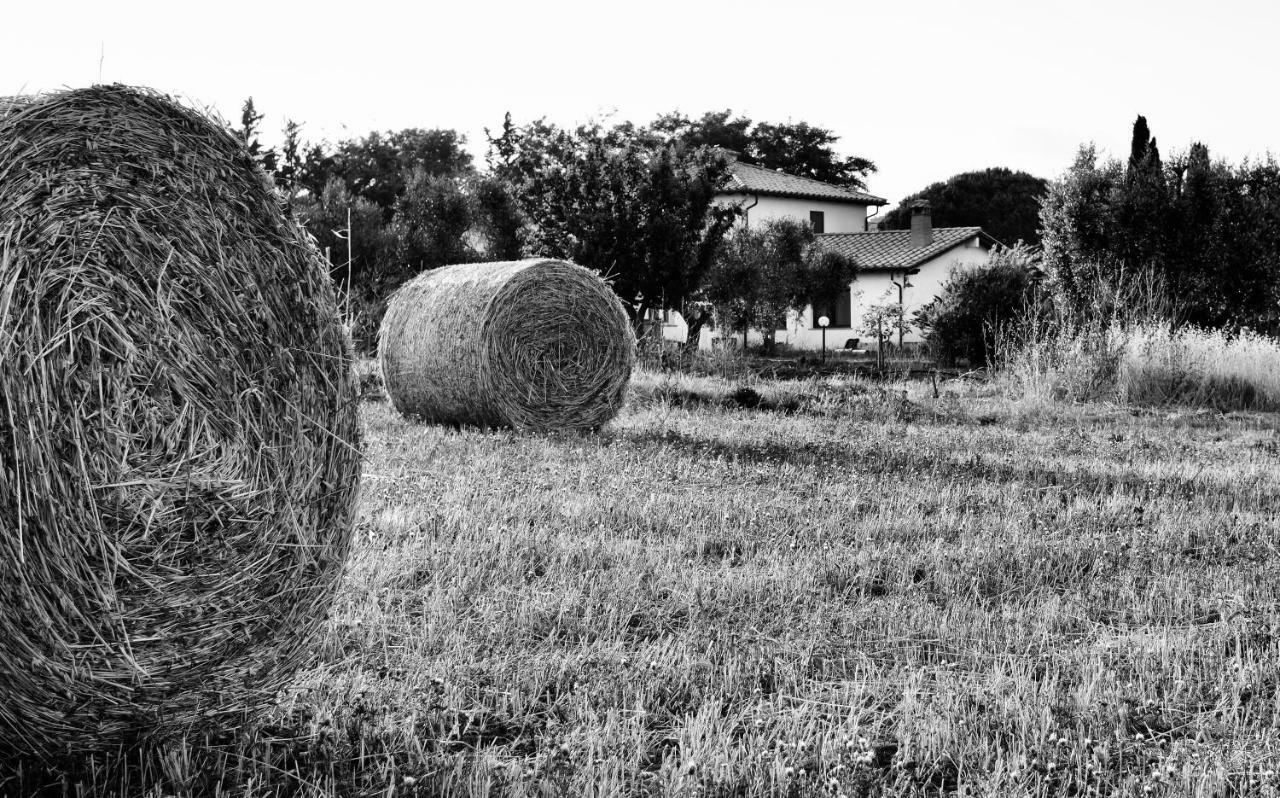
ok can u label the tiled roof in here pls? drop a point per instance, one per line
(891, 249)
(745, 178)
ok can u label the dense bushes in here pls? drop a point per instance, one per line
(386, 206)
(976, 302)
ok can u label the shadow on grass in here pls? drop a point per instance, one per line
(919, 465)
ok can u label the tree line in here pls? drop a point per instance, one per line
(1185, 240)
(1206, 231)
(635, 202)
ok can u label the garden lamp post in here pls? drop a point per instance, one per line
(823, 321)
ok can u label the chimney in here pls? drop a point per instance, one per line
(921, 224)
(731, 155)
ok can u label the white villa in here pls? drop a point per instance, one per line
(907, 266)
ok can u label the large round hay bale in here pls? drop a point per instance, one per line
(534, 344)
(178, 427)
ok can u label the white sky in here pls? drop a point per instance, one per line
(926, 89)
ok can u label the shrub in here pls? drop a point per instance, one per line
(1063, 360)
(976, 302)
(746, 396)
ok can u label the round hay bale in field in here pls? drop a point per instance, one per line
(178, 426)
(534, 344)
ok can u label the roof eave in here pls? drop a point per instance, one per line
(990, 240)
(764, 192)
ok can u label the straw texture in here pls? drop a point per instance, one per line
(177, 426)
(535, 344)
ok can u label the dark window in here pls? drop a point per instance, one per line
(817, 219)
(837, 308)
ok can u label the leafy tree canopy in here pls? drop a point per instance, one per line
(431, 219)
(378, 166)
(764, 271)
(619, 200)
(797, 148)
(1004, 203)
(388, 205)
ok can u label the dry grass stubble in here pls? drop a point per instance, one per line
(748, 603)
(975, 598)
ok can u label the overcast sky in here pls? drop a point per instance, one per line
(926, 89)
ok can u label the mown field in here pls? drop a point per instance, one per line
(845, 589)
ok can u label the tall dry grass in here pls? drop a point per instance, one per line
(1123, 347)
(1162, 365)
(1151, 363)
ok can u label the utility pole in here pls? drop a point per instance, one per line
(345, 235)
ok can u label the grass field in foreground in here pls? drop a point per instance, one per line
(865, 594)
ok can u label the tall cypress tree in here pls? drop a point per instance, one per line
(1138, 144)
(1142, 209)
